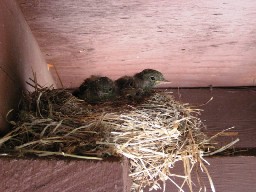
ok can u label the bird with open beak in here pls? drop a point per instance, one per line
(96, 89)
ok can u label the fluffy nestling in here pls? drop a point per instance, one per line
(148, 79)
(139, 84)
(96, 89)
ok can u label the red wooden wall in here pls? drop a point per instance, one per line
(194, 43)
(19, 55)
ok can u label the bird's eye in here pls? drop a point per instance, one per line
(152, 78)
(110, 89)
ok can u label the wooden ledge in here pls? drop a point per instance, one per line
(236, 174)
(229, 107)
(40, 175)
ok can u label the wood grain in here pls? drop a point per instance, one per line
(40, 175)
(234, 174)
(19, 55)
(228, 174)
(194, 43)
(229, 107)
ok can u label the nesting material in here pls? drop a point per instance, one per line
(154, 134)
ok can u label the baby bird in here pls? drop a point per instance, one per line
(139, 84)
(127, 87)
(125, 82)
(96, 89)
(148, 79)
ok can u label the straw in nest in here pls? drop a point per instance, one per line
(154, 134)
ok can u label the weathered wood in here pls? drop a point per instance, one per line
(236, 174)
(195, 43)
(19, 55)
(40, 175)
(229, 107)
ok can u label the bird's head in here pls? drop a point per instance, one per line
(150, 78)
(105, 88)
(97, 89)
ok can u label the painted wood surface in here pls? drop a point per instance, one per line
(236, 174)
(228, 174)
(193, 42)
(228, 108)
(41, 175)
(20, 55)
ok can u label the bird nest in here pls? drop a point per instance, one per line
(154, 134)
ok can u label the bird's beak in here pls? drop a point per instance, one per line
(163, 83)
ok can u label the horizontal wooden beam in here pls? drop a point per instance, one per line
(228, 107)
(42, 175)
(236, 174)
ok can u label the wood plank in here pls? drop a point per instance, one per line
(228, 174)
(19, 55)
(234, 174)
(40, 175)
(229, 107)
(194, 43)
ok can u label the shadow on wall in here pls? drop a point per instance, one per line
(19, 56)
